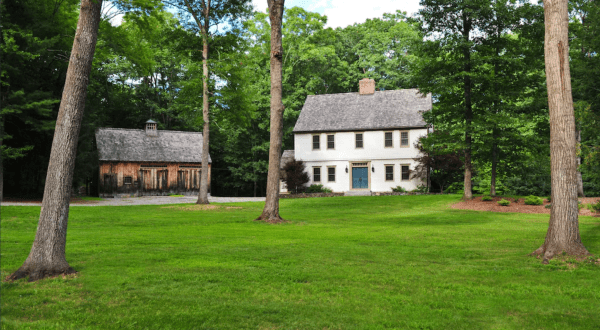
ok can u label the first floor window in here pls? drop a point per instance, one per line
(316, 142)
(404, 139)
(389, 172)
(405, 172)
(388, 140)
(127, 180)
(359, 140)
(316, 174)
(331, 174)
(330, 141)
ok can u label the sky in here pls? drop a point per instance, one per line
(341, 13)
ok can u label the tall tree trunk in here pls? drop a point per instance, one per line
(203, 195)
(47, 256)
(1, 161)
(563, 229)
(580, 192)
(494, 167)
(468, 191)
(271, 211)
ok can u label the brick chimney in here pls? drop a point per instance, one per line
(366, 86)
(151, 128)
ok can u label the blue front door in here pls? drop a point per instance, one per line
(360, 178)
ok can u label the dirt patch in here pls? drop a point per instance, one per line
(195, 207)
(517, 206)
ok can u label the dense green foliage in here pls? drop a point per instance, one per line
(533, 200)
(340, 263)
(149, 67)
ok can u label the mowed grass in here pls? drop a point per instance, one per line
(405, 262)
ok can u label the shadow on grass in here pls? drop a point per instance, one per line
(590, 236)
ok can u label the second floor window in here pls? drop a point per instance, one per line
(404, 139)
(388, 140)
(316, 142)
(359, 140)
(330, 141)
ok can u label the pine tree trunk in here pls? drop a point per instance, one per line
(203, 194)
(47, 256)
(468, 192)
(271, 211)
(563, 229)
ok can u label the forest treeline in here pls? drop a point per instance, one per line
(150, 67)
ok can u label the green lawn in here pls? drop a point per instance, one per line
(405, 262)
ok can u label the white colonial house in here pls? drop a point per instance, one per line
(361, 142)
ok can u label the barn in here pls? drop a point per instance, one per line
(149, 162)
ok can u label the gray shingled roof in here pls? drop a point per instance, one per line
(288, 155)
(133, 145)
(352, 111)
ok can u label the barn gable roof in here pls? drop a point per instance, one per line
(396, 109)
(134, 145)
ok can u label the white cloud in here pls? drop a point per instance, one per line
(341, 13)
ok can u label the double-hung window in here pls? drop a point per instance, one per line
(330, 141)
(404, 139)
(405, 172)
(331, 174)
(389, 172)
(316, 142)
(358, 140)
(316, 174)
(389, 142)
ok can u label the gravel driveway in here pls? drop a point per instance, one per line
(148, 200)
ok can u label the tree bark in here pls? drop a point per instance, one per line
(580, 192)
(563, 229)
(494, 169)
(271, 211)
(468, 192)
(203, 194)
(47, 255)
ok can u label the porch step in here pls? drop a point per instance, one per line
(358, 193)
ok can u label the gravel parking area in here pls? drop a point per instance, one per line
(146, 200)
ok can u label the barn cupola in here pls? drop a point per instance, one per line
(151, 128)
(366, 86)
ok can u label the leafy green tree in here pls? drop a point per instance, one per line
(448, 68)
(203, 15)
(47, 255)
(585, 67)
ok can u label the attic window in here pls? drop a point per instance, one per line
(127, 180)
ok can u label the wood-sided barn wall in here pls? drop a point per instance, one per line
(149, 179)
